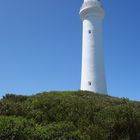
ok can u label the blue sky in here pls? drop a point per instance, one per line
(40, 46)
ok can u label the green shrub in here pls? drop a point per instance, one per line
(59, 131)
(70, 116)
(13, 128)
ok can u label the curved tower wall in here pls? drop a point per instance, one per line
(93, 72)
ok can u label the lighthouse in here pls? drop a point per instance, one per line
(93, 71)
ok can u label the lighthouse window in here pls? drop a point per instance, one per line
(89, 83)
(89, 31)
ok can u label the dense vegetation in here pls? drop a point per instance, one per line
(68, 116)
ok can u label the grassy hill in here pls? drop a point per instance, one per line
(68, 116)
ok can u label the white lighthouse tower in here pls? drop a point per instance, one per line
(93, 72)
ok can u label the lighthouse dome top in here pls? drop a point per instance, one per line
(92, 0)
(92, 3)
(95, 1)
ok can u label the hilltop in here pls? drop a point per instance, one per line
(68, 116)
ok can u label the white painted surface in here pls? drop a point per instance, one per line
(90, 0)
(93, 72)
